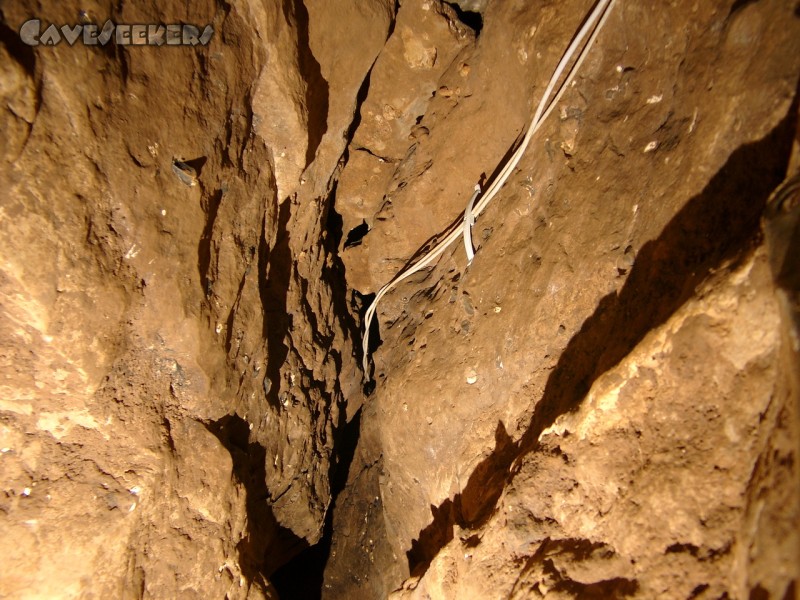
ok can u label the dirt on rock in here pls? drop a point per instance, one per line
(603, 404)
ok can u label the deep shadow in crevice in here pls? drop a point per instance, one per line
(122, 59)
(363, 89)
(196, 164)
(231, 318)
(334, 224)
(25, 56)
(317, 89)
(19, 51)
(472, 19)
(351, 312)
(467, 508)
(739, 5)
(616, 587)
(249, 468)
(302, 577)
(274, 273)
(717, 228)
(393, 22)
(361, 96)
(356, 235)
(434, 537)
(211, 208)
(334, 275)
(698, 591)
(375, 339)
(574, 551)
(791, 591)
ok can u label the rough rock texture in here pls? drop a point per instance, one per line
(604, 404)
(582, 412)
(176, 358)
(674, 477)
(383, 157)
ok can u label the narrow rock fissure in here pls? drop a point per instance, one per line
(356, 235)
(578, 550)
(603, 403)
(317, 89)
(471, 18)
(264, 534)
(275, 267)
(302, 577)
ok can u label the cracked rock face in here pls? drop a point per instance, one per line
(603, 404)
(178, 358)
(650, 178)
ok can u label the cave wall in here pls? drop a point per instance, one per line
(596, 406)
(604, 403)
(177, 355)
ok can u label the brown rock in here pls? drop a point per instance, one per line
(603, 404)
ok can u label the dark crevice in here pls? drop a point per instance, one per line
(317, 89)
(169, 439)
(393, 22)
(18, 50)
(469, 507)
(356, 235)
(361, 96)
(759, 593)
(618, 587)
(333, 272)
(264, 536)
(25, 56)
(716, 229)
(551, 553)
(124, 67)
(302, 577)
(472, 19)
(782, 228)
(114, 52)
(678, 548)
(210, 207)
(229, 328)
(738, 5)
(363, 89)
(333, 220)
(195, 164)
(698, 590)
(791, 591)
(274, 273)
(373, 154)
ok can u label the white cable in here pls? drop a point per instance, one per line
(469, 221)
(600, 11)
